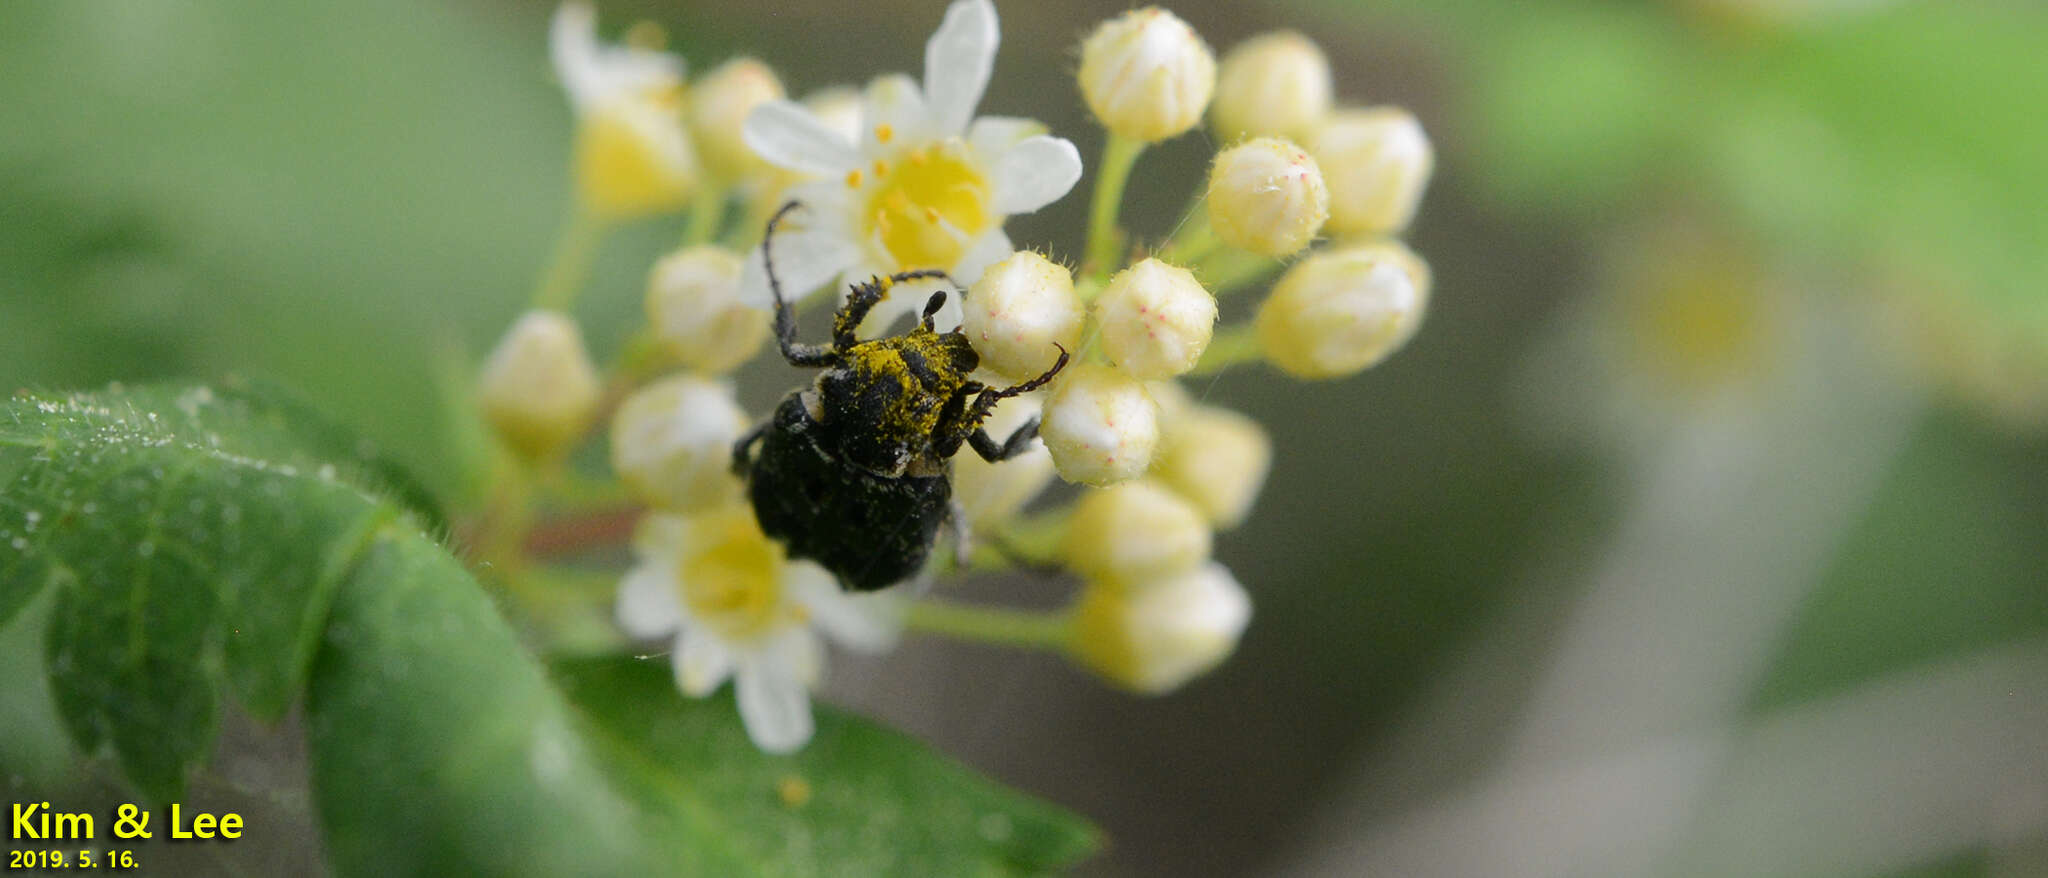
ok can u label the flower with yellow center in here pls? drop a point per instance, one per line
(736, 607)
(925, 186)
(632, 155)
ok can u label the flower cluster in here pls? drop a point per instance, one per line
(902, 175)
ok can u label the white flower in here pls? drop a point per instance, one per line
(737, 608)
(632, 154)
(926, 186)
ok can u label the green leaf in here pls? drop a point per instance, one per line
(859, 800)
(206, 540)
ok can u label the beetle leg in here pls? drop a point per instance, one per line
(797, 353)
(985, 445)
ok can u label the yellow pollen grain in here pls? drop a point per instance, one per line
(794, 791)
(853, 179)
(884, 134)
(881, 168)
(931, 214)
(920, 156)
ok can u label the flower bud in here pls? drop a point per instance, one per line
(1146, 74)
(1018, 311)
(672, 444)
(633, 157)
(1156, 637)
(1217, 459)
(1155, 319)
(1099, 425)
(1134, 532)
(1267, 196)
(719, 104)
(1273, 85)
(539, 388)
(693, 309)
(1376, 163)
(991, 493)
(1338, 312)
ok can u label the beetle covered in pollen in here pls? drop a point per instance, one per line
(853, 472)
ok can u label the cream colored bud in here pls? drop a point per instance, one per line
(1155, 319)
(1156, 637)
(1099, 425)
(1273, 85)
(1017, 314)
(1147, 75)
(719, 104)
(1338, 312)
(991, 493)
(633, 157)
(539, 388)
(1377, 163)
(672, 444)
(1267, 196)
(1217, 459)
(1134, 532)
(693, 309)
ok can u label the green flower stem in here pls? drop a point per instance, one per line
(1231, 346)
(1118, 155)
(707, 214)
(1225, 270)
(1193, 242)
(570, 265)
(998, 625)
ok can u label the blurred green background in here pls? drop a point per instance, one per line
(1526, 604)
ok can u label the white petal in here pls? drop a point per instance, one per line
(572, 47)
(893, 103)
(648, 606)
(871, 622)
(774, 705)
(593, 73)
(701, 662)
(1035, 173)
(991, 136)
(805, 258)
(992, 247)
(957, 62)
(786, 134)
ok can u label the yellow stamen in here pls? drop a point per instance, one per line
(853, 179)
(884, 134)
